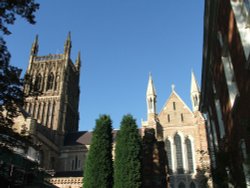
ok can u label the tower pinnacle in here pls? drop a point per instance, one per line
(194, 92)
(34, 48)
(78, 61)
(151, 88)
(151, 96)
(67, 45)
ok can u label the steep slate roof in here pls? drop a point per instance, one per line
(82, 138)
(85, 138)
(72, 138)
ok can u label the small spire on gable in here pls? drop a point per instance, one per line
(151, 97)
(173, 87)
(194, 83)
(194, 92)
(151, 88)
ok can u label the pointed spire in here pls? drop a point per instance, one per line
(34, 48)
(194, 92)
(151, 97)
(194, 83)
(78, 61)
(67, 45)
(69, 37)
(173, 87)
(151, 88)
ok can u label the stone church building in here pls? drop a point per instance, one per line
(183, 132)
(51, 118)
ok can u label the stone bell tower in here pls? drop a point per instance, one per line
(52, 90)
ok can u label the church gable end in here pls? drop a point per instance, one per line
(175, 112)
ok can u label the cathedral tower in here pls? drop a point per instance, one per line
(52, 89)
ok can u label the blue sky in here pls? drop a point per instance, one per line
(120, 41)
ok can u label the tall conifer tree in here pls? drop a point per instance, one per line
(98, 170)
(127, 165)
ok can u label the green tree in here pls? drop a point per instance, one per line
(98, 170)
(127, 165)
(11, 95)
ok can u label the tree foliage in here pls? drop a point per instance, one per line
(98, 171)
(11, 95)
(9, 10)
(127, 165)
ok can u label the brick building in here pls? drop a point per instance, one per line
(184, 136)
(225, 89)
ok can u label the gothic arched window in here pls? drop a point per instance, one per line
(179, 154)
(181, 185)
(38, 82)
(189, 156)
(56, 82)
(50, 81)
(169, 155)
(192, 185)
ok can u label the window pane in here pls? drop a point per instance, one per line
(179, 155)
(181, 185)
(189, 156)
(169, 155)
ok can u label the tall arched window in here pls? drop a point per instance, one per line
(47, 115)
(181, 185)
(52, 115)
(169, 155)
(38, 82)
(179, 154)
(192, 185)
(189, 156)
(56, 82)
(50, 81)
